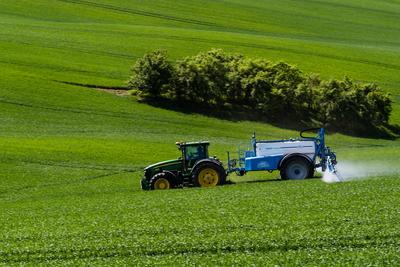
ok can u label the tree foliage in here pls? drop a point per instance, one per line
(151, 74)
(204, 77)
(275, 90)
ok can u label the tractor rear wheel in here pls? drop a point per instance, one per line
(160, 181)
(295, 169)
(208, 174)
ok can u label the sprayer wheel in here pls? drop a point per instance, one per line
(296, 169)
(311, 172)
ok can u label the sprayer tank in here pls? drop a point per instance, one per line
(266, 148)
(268, 154)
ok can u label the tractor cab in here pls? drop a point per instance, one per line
(193, 168)
(193, 152)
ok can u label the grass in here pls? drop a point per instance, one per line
(71, 157)
(272, 222)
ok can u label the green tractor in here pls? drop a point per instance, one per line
(194, 168)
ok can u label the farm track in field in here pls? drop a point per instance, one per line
(42, 43)
(76, 165)
(74, 110)
(289, 50)
(102, 113)
(208, 41)
(200, 40)
(53, 67)
(232, 28)
(56, 184)
(116, 31)
(356, 8)
(265, 247)
(137, 12)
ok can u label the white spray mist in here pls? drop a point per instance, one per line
(358, 170)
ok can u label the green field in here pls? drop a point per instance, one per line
(71, 157)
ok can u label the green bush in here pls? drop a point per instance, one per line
(151, 74)
(204, 77)
(275, 90)
(351, 106)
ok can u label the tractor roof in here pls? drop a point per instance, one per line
(192, 143)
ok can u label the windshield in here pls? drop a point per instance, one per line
(195, 152)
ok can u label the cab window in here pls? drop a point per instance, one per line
(195, 152)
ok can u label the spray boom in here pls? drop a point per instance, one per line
(327, 156)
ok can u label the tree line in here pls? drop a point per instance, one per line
(272, 89)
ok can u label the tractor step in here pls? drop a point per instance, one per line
(187, 182)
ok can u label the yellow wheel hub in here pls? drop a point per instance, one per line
(161, 183)
(208, 177)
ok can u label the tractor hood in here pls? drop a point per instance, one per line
(164, 164)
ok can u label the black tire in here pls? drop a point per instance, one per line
(144, 185)
(296, 169)
(161, 181)
(311, 172)
(208, 174)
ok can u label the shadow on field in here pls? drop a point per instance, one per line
(246, 113)
(275, 180)
(224, 112)
(237, 113)
(263, 181)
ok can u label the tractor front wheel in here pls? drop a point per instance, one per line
(208, 175)
(160, 181)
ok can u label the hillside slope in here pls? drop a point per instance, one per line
(96, 41)
(71, 157)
